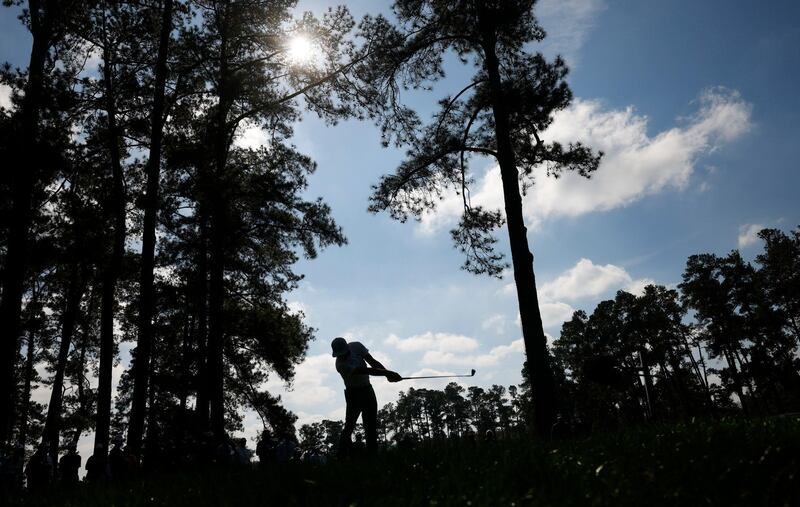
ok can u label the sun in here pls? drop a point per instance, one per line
(301, 51)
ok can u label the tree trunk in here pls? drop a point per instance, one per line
(203, 396)
(709, 401)
(114, 265)
(24, 169)
(152, 428)
(215, 362)
(26, 393)
(217, 198)
(141, 366)
(83, 399)
(52, 425)
(648, 382)
(737, 382)
(186, 365)
(538, 358)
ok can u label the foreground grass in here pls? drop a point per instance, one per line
(733, 462)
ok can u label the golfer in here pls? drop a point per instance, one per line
(351, 363)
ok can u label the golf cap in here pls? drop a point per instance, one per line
(339, 347)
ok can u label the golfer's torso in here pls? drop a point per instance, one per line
(345, 365)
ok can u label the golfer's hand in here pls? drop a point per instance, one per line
(393, 376)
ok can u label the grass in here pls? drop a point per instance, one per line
(730, 463)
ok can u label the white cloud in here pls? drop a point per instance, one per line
(297, 308)
(555, 314)
(748, 234)
(5, 96)
(495, 323)
(252, 137)
(310, 385)
(635, 164)
(434, 357)
(440, 342)
(585, 279)
(567, 23)
(636, 287)
(307, 418)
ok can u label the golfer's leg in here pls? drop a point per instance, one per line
(350, 418)
(370, 419)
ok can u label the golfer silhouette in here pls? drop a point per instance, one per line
(351, 363)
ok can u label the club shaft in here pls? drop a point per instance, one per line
(436, 376)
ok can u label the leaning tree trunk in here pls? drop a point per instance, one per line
(708, 400)
(114, 265)
(24, 167)
(737, 382)
(141, 365)
(543, 388)
(52, 425)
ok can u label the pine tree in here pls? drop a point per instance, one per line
(503, 113)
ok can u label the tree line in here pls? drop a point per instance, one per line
(423, 414)
(725, 340)
(132, 222)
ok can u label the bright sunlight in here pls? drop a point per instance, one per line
(301, 50)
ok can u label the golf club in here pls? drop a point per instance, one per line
(441, 376)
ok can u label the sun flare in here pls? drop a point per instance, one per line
(301, 50)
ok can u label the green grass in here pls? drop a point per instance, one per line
(733, 462)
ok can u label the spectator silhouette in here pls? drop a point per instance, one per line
(241, 454)
(97, 465)
(39, 470)
(285, 450)
(265, 449)
(11, 468)
(117, 461)
(68, 467)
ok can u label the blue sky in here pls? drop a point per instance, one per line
(694, 104)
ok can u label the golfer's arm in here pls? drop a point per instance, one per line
(378, 372)
(374, 362)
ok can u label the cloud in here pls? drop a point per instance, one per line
(493, 357)
(297, 308)
(495, 323)
(636, 287)
(310, 385)
(252, 137)
(748, 234)
(567, 23)
(5, 97)
(635, 164)
(555, 314)
(587, 279)
(439, 342)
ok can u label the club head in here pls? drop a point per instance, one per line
(472, 374)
